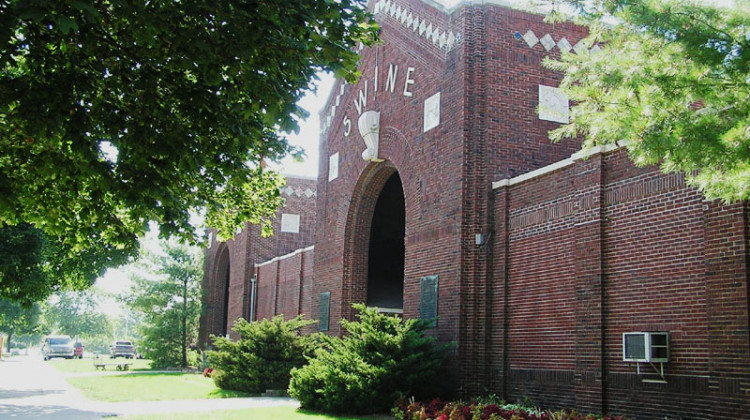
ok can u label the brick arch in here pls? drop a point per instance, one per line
(396, 150)
(220, 289)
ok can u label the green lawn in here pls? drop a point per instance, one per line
(275, 413)
(150, 387)
(87, 364)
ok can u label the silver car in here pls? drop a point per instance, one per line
(58, 346)
(122, 348)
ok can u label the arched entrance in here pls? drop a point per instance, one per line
(222, 292)
(385, 265)
(373, 269)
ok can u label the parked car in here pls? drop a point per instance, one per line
(78, 350)
(122, 348)
(58, 346)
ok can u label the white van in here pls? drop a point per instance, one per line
(58, 346)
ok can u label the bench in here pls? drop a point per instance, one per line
(118, 366)
(100, 364)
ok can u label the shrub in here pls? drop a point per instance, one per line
(262, 357)
(165, 356)
(382, 358)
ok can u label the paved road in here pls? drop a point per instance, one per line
(32, 389)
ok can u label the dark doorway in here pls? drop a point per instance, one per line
(385, 268)
(223, 279)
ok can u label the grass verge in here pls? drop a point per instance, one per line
(275, 413)
(150, 387)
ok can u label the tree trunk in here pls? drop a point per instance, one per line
(10, 334)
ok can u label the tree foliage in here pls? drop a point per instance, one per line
(672, 83)
(77, 314)
(115, 113)
(34, 265)
(16, 319)
(167, 294)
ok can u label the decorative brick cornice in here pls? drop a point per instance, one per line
(443, 38)
(298, 191)
(549, 43)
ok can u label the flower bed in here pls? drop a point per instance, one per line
(457, 410)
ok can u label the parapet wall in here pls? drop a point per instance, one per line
(284, 285)
(592, 248)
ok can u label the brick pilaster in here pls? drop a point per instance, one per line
(726, 255)
(589, 318)
(498, 340)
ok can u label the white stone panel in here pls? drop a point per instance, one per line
(553, 105)
(333, 166)
(580, 49)
(530, 38)
(451, 40)
(548, 42)
(290, 223)
(564, 45)
(432, 112)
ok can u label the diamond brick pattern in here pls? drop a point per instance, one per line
(549, 43)
(530, 38)
(408, 18)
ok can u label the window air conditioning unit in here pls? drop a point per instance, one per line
(645, 347)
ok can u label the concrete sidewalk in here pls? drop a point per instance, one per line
(32, 389)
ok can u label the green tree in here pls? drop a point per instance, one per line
(16, 319)
(167, 294)
(116, 113)
(77, 314)
(35, 265)
(670, 83)
(22, 273)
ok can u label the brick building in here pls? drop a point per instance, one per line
(439, 194)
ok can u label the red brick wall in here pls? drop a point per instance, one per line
(240, 254)
(429, 165)
(267, 290)
(574, 257)
(599, 248)
(283, 286)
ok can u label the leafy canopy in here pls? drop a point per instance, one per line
(115, 113)
(16, 319)
(34, 265)
(77, 314)
(672, 83)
